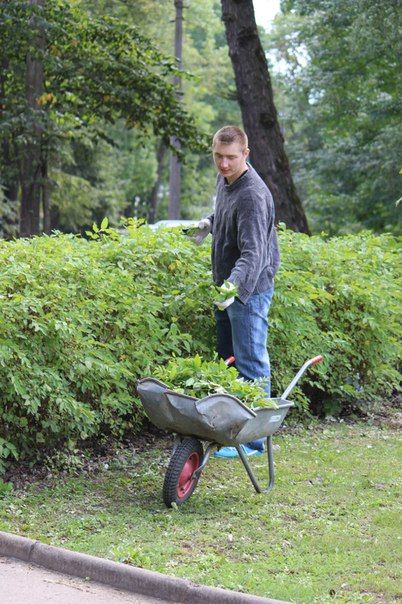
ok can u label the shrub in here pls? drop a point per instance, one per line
(81, 321)
(341, 298)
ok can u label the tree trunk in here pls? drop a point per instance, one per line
(10, 183)
(10, 176)
(175, 166)
(31, 162)
(153, 201)
(9, 228)
(54, 218)
(255, 96)
(45, 198)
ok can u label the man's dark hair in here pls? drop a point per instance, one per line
(231, 134)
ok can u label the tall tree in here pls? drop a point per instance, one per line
(31, 168)
(175, 166)
(260, 119)
(9, 177)
(209, 94)
(89, 71)
(153, 197)
(342, 109)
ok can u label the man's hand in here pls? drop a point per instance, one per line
(227, 293)
(203, 229)
(225, 304)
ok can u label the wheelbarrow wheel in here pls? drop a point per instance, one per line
(179, 484)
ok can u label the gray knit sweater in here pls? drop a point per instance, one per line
(244, 243)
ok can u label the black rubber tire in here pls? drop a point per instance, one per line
(178, 486)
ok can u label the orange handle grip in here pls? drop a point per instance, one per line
(317, 359)
(230, 361)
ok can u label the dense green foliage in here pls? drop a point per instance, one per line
(81, 321)
(199, 378)
(339, 297)
(338, 97)
(97, 71)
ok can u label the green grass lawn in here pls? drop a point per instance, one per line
(328, 532)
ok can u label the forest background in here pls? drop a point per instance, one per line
(334, 71)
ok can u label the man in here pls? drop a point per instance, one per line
(245, 258)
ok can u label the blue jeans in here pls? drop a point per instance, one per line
(242, 331)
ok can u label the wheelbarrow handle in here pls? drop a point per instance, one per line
(229, 361)
(298, 375)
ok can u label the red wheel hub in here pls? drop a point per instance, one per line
(185, 480)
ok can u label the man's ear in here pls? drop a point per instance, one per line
(246, 153)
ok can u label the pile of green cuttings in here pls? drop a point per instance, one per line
(198, 378)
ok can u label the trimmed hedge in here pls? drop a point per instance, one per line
(81, 321)
(339, 297)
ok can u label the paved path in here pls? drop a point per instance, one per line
(24, 583)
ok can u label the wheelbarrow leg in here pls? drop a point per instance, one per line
(271, 469)
(207, 455)
(250, 472)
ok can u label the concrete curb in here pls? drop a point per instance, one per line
(121, 576)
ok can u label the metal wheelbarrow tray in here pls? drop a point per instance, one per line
(219, 419)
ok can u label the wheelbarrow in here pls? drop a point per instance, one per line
(219, 420)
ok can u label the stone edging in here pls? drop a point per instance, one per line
(120, 576)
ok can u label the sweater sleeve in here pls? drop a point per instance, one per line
(211, 219)
(253, 227)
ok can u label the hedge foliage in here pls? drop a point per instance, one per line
(81, 321)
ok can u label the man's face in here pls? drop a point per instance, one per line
(230, 160)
